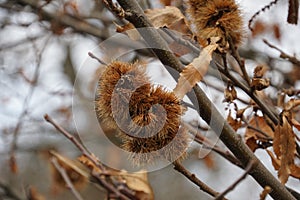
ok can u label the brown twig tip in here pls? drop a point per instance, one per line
(96, 58)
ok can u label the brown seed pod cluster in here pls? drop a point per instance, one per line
(146, 117)
(216, 18)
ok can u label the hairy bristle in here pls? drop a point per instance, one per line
(147, 117)
(118, 80)
(147, 150)
(216, 18)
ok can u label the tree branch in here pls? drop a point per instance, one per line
(208, 110)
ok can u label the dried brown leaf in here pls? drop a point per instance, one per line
(195, 71)
(260, 71)
(291, 104)
(258, 28)
(234, 123)
(284, 146)
(296, 124)
(170, 17)
(260, 83)
(33, 194)
(13, 164)
(166, 2)
(129, 30)
(139, 183)
(230, 94)
(277, 31)
(252, 136)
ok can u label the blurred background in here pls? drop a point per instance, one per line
(45, 68)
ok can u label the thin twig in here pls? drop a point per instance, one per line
(66, 178)
(96, 58)
(231, 187)
(237, 57)
(202, 186)
(209, 145)
(283, 55)
(26, 103)
(84, 151)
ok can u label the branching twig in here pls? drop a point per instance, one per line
(231, 187)
(237, 57)
(84, 151)
(114, 8)
(284, 55)
(209, 145)
(96, 58)
(99, 177)
(180, 168)
(66, 178)
(26, 105)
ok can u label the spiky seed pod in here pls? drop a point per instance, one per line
(216, 18)
(115, 85)
(147, 117)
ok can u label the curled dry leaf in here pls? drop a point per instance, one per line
(169, 17)
(234, 123)
(195, 71)
(295, 170)
(254, 137)
(230, 94)
(284, 146)
(260, 83)
(291, 104)
(138, 182)
(260, 71)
